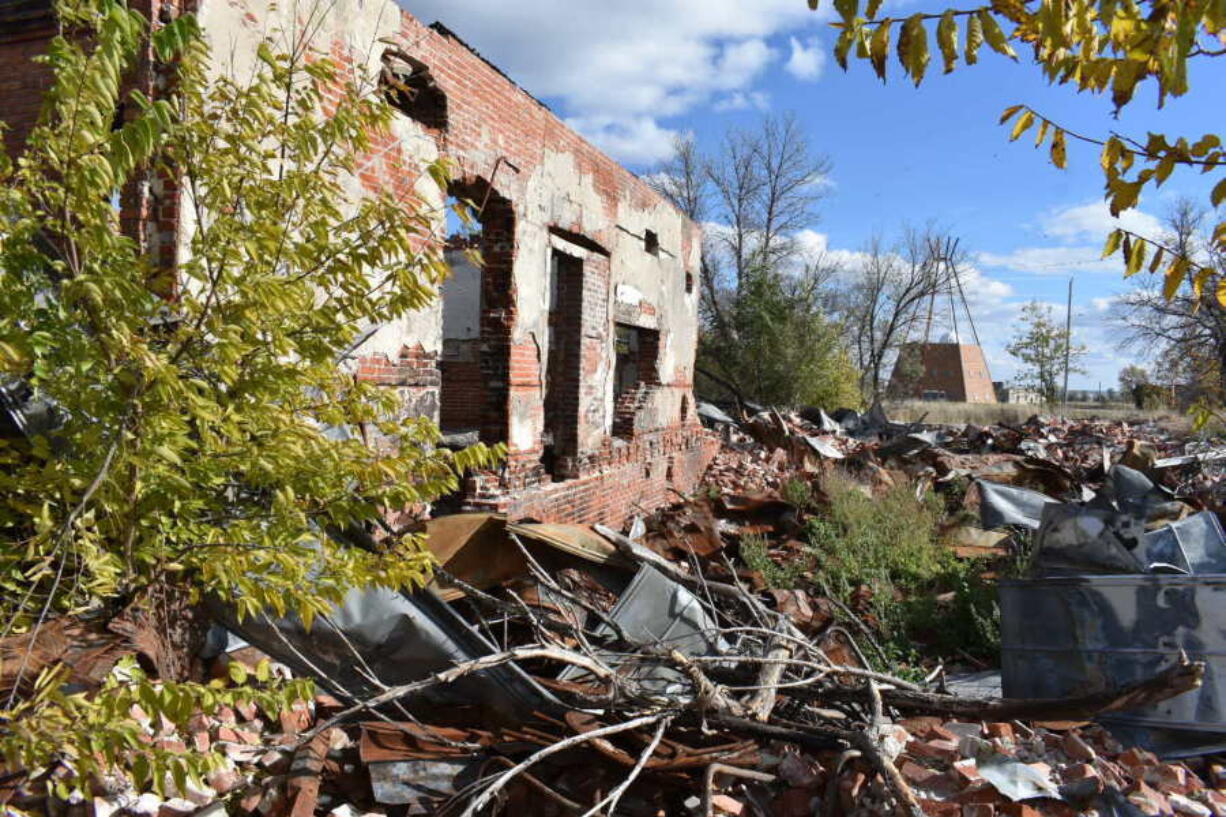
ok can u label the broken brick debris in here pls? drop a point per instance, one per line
(710, 742)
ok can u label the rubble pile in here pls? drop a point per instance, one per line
(960, 768)
(557, 669)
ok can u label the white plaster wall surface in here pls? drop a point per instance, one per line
(555, 193)
(360, 23)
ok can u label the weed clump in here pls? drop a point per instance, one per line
(882, 557)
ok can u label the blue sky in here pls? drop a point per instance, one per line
(630, 75)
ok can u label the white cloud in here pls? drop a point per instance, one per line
(807, 60)
(742, 101)
(1059, 260)
(634, 139)
(980, 289)
(814, 244)
(1093, 220)
(626, 62)
(1073, 238)
(740, 62)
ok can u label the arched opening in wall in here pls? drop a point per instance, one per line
(478, 313)
(409, 87)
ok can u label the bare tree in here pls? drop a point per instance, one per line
(683, 179)
(1190, 328)
(758, 189)
(886, 300)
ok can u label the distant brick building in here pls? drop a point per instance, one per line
(573, 342)
(942, 371)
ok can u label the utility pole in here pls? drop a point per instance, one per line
(1068, 336)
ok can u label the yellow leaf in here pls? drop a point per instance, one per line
(1219, 193)
(1113, 243)
(1156, 261)
(913, 47)
(1174, 277)
(1042, 134)
(1009, 112)
(994, 35)
(974, 39)
(1136, 257)
(1059, 150)
(847, 37)
(1198, 284)
(1164, 168)
(1111, 153)
(879, 48)
(1221, 292)
(846, 9)
(1023, 122)
(947, 39)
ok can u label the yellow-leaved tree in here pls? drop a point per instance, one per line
(201, 438)
(1098, 47)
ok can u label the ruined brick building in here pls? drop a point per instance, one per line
(573, 342)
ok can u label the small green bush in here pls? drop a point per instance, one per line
(754, 552)
(890, 544)
(798, 492)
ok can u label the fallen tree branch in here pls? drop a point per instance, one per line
(641, 554)
(763, 701)
(1176, 679)
(615, 796)
(459, 671)
(808, 737)
(503, 779)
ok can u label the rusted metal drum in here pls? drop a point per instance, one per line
(1070, 635)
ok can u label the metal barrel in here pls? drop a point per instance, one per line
(1071, 635)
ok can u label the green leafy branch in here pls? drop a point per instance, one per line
(71, 739)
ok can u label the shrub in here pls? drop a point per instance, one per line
(890, 545)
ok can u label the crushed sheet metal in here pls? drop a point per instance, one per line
(1015, 779)
(654, 609)
(713, 413)
(475, 548)
(1063, 635)
(1004, 505)
(405, 740)
(575, 540)
(1079, 539)
(1190, 459)
(1194, 545)
(419, 784)
(1135, 494)
(400, 639)
(824, 448)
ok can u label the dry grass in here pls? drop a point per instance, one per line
(989, 413)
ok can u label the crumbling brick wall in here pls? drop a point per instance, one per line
(539, 189)
(23, 36)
